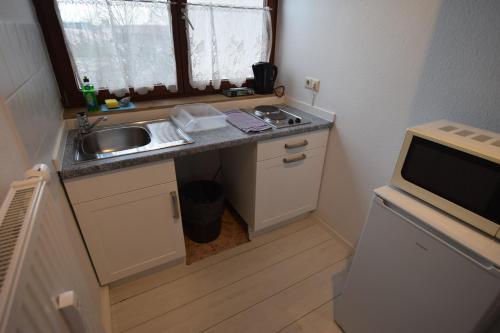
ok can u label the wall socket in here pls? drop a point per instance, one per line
(312, 83)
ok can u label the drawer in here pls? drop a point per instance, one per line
(108, 183)
(291, 144)
(287, 186)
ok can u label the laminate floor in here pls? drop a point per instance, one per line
(281, 281)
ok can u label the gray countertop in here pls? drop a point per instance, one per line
(225, 137)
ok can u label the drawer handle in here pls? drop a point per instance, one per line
(175, 204)
(294, 159)
(296, 145)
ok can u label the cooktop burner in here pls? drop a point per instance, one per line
(267, 109)
(277, 116)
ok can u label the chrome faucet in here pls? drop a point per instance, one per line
(84, 127)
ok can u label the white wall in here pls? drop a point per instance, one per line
(30, 118)
(12, 10)
(386, 65)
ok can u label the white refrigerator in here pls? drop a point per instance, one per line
(418, 270)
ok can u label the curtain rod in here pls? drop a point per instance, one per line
(197, 4)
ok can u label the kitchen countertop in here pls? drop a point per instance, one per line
(225, 137)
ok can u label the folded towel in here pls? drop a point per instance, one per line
(246, 122)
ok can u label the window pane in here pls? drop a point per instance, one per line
(226, 41)
(120, 44)
(239, 3)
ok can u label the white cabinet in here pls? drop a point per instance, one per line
(275, 180)
(129, 232)
(287, 186)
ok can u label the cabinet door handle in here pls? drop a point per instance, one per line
(294, 159)
(296, 145)
(175, 204)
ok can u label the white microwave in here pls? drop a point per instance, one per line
(455, 168)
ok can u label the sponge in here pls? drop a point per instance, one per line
(112, 103)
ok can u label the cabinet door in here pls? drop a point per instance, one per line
(287, 188)
(131, 232)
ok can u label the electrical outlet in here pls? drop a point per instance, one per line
(308, 83)
(315, 85)
(312, 84)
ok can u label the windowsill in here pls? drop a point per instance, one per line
(70, 113)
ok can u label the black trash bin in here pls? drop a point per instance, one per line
(202, 206)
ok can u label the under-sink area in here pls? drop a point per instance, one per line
(129, 138)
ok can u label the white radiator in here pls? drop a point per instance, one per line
(40, 281)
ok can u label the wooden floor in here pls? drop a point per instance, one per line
(279, 282)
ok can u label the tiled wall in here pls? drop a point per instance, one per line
(28, 87)
(23, 55)
(30, 108)
(13, 161)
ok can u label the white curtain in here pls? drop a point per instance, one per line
(226, 39)
(120, 44)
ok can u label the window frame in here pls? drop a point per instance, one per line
(61, 62)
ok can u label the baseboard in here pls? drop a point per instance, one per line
(252, 234)
(149, 271)
(314, 110)
(106, 310)
(340, 277)
(334, 232)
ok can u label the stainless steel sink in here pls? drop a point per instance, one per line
(118, 140)
(115, 139)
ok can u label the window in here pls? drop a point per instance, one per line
(224, 41)
(115, 43)
(156, 48)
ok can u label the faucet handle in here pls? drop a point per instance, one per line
(82, 119)
(84, 125)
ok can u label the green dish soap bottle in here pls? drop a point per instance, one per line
(90, 95)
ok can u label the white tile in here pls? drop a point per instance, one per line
(22, 54)
(24, 60)
(53, 89)
(28, 63)
(14, 54)
(29, 88)
(6, 83)
(37, 113)
(13, 157)
(40, 103)
(42, 58)
(22, 118)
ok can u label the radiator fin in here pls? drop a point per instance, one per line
(11, 228)
(39, 262)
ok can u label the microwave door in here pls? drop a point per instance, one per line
(459, 183)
